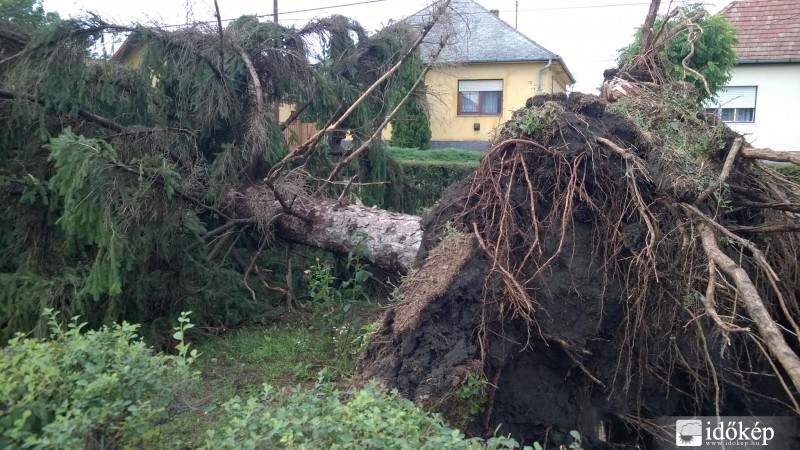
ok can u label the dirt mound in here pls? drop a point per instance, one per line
(592, 296)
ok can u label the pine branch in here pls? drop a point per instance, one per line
(365, 146)
(100, 120)
(425, 30)
(311, 142)
(221, 39)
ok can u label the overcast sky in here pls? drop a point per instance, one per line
(585, 33)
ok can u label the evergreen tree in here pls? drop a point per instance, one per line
(411, 127)
(114, 180)
(706, 46)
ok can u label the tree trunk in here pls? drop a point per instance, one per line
(392, 238)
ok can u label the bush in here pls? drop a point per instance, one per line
(97, 389)
(411, 126)
(456, 155)
(790, 171)
(428, 180)
(428, 173)
(311, 419)
(713, 56)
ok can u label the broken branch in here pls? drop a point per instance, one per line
(726, 171)
(767, 327)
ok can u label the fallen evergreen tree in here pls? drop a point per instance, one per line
(138, 190)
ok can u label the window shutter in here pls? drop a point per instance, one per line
(480, 85)
(735, 97)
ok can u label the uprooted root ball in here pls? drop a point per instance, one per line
(593, 296)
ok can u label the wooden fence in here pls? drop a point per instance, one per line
(298, 132)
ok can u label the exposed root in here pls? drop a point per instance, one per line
(725, 173)
(771, 155)
(629, 197)
(768, 330)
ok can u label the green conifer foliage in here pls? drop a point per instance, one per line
(411, 127)
(713, 38)
(111, 176)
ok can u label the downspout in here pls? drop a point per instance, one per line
(539, 78)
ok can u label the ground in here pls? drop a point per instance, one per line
(296, 350)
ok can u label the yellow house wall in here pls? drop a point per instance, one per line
(777, 98)
(133, 58)
(519, 84)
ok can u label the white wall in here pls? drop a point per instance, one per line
(777, 116)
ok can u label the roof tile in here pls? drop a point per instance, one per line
(475, 34)
(766, 29)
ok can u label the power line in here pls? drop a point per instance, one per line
(282, 13)
(364, 2)
(585, 6)
(331, 7)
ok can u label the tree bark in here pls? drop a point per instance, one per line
(393, 239)
(771, 155)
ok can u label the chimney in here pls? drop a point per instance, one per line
(496, 12)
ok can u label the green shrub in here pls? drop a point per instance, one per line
(427, 180)
(428, 173)
(411, 126)
(790, 171)
(93, 389)
(337, 299)
(310, 419)
(712, 57)
(457, 155)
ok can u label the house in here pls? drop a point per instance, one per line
(486, 71)
(764, 92)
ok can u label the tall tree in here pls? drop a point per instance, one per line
(411, 127)
(137, 192)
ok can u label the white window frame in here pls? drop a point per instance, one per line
(479, 87)
(737, 103)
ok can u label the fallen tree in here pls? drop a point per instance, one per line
(166, 165)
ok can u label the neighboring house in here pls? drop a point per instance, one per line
(762, 98)
(487, 70)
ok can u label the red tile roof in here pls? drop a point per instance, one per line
(766, 29)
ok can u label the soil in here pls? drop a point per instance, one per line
(603, 355)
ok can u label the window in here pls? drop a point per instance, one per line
(480, 97)
(735, 104)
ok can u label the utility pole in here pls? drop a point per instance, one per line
(276, 108)
(516, 13)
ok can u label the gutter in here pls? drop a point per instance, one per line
(768, 61)
(539, 76)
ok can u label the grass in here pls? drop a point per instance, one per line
(454, 155)
(294, 352)
(276, 355)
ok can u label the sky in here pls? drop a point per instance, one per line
(585, 33)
